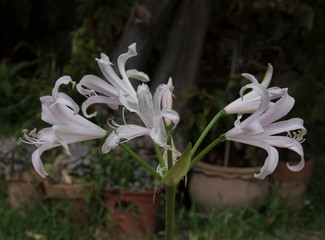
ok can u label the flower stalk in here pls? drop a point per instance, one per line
(140, 160)
(170, 212)
(220, 114)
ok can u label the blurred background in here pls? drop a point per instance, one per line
(203, 45)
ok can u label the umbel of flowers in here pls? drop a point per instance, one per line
(262, 127)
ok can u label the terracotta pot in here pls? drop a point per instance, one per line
(71, 194)
(292, 185)
(24, 189)
(131, 214)
(216, 186)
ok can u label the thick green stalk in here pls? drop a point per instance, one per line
(141, 161)
(221, 138)
(170, 212)
(221, 113)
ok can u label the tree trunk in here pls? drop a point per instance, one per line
(143, 26)
(182, 52)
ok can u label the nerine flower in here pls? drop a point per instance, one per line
(60, 111)
(251, 101)
(114, 90)
(261, 129)
(151, 113)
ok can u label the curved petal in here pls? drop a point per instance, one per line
(121, 61)
(286, 126)
(66, 100)
(250, 77)
(268, 76)
(289, 143)
(171, 115)
(112, 102)
(278, 110)
(62, 80)
(135, 74)
(270, 162)
(262, 92)
(36, 160)
(105, 66)
(93, 83)
(298, 167)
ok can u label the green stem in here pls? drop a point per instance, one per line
(170, 212)
(159, 156)
(169, 152)
(221, 113)
(141, 161)
(221, 138)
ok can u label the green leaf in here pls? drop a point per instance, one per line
(180, 168)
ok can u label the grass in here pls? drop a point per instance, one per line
(274, 221)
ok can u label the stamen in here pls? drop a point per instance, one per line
(111, 119)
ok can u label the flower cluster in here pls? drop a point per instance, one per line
(261, 128)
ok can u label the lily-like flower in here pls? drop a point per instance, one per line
(261, 129)
(114, 90)
(151, 113)
(60, 111)
(251, 101)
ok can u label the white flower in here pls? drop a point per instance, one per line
(261, 129)
(250, 102)
(151, 113)
(60, 111)
(114, 90)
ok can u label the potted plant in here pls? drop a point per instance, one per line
(70, 179)
(24, 185)
(130, 195)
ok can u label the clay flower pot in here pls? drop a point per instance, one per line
(216, 186)
(72, 194)
(24, 189)
(292, 185)
(131, 214)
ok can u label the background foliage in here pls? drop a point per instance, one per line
(47, 39)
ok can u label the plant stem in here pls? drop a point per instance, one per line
(169, 152)
(221, 113)
(159, 156)
(141, 161)
(170, 212)
(221, 138)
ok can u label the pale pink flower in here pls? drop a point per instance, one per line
(261, 130)
(114, 90)
(151, 113)
(60, 111)
(250, 102)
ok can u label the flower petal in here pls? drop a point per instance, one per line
(278, 110)
(135, 74)
(36, 160)
(93, 83)
(62, 80)
(111, 142)
(110, 101)
(272, 159)
(145, 105)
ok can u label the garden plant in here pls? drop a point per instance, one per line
(260, 110)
